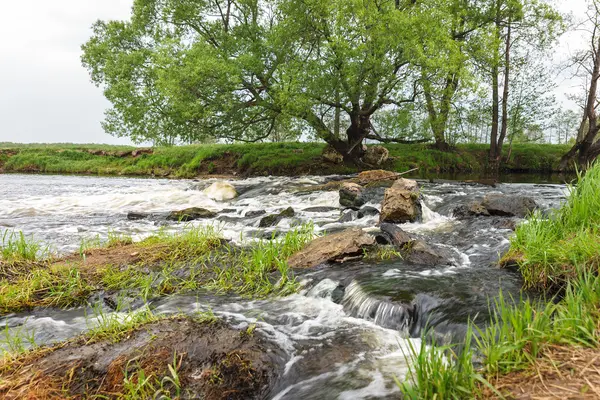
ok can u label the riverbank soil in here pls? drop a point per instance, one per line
(561, 373)
(176, 358)
(291, 159)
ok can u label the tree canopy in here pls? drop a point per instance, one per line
(251, 70)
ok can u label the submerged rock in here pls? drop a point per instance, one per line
(419, 252)
(136, 216)
(190, 214)
(509, 206)
(401, 202)
(338, 247)
(272, 220)
(474, 209)
(348, 216)
(221, 191)
(256, 213)
(367, 211)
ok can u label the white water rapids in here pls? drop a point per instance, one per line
(346, 333)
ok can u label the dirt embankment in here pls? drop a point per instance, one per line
(177, 358)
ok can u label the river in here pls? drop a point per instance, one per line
(346, 333)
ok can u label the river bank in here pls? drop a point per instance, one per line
(261, 159)
(532, 348)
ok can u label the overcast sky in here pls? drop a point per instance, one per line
(45, 93)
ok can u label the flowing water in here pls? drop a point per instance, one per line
(345, 334)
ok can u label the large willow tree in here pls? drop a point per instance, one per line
(241, 69)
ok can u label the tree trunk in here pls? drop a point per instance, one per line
(584, 148)
(505, 93)
(439, 120)
(337, 116)
(493, 156)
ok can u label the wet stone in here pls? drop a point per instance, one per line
(253, 214)
(190, 214)
(135, 216)
(272, 220)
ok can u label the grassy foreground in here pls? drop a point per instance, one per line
(160, 265)
(532, 349)
(257, 159)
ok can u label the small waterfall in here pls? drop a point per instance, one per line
(384, 313)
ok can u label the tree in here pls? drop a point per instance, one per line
(587, 147)
(528, 23)
(463, 18)
(237, 69)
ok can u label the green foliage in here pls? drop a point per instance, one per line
(551, 250)
(250, 271)
(15, 246)
(168, 263)
(112, 327)
(559, 252)
(441, 372)
(183, 71)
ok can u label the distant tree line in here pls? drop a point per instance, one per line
(342, 71)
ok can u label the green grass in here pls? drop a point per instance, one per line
(550, 251)
(113, 327)
(167, 264)
(249, 271)
(15, 246)
(258, 159)
(440, 372)
(516, 337)
(551, 256)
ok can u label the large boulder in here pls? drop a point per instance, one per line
(273, 219)
(332, 155)
(190, 214)
(338, 247)
(221, 191)
(376, 176)
(376, 155)
(350, 195)
(509, 206)
(401, 202)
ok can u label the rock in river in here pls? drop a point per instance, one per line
(221, 191)
(392, 234)
(350, 195)
(509, 206)
(376, 176)
(190, 214)
(338, 247)
(401, 202)
(272, 220)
